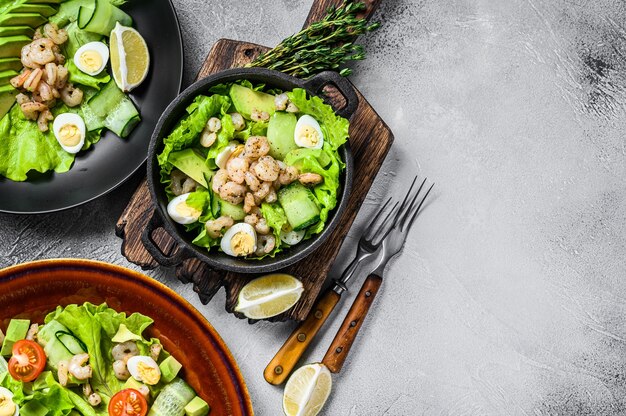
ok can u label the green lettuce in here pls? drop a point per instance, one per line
(55, 398)
(276, 219)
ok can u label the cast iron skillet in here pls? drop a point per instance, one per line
(112, 160)
(166, 124)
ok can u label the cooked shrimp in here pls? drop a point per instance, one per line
(287, 175)
(52, 31)
(238, 121)
(37, 34)
(42, 121)
(265, 244)
(256, 147)
(251, 219)
(310, 178)
(263, 191)
(252, 181)
(207, 138)
(177, 178)
(219, 179)
(267, 169)
(26, 59)
(237, 168)
(249, 203)
(94, 399)
(71, 95)
(18, 80)
(121, 370)
(62, 372)
(272, 196)
(155, 351)
(22, 98)
(292, 108)
(62, 75)
(260, 116)
(45, 91)
(232, 192)
(31, 109)
(261, 226)
(214, 124)
(50, 73)
(79, 368)
(41, 51)
(87, 390)
(124, 351)
(31, 335)
(32, 82)
(280, 102)
(214, 227)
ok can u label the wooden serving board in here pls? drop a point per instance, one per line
(370, 140)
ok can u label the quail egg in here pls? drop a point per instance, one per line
(7, 405)
(292, 237)
(180, 212)
(239, 240)
(92, 58)
(144, 369)
(69, 130)
(308, 133)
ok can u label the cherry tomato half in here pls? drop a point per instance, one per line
(28, 360)
(128, 402)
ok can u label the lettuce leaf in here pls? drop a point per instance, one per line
(55, 398)
(276, 219)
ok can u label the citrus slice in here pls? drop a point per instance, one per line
(307, 390)
(130, 59)
(269, 296)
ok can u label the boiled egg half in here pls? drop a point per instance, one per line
(7, 405)
(92, 58)
(144, 369)
(224, 156)
(292, 237)
(308, 133)
(179, 211)
(69, 130)
(239, 240)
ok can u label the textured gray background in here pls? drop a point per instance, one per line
(509, 298)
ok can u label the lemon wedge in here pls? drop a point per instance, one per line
(130, 59)
(269, 296)
(307, 390)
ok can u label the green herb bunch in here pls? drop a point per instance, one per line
(325, 45)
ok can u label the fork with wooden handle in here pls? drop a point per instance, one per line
(287, 357)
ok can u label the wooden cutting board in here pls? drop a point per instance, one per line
(370, 140)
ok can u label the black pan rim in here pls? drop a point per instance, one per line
(140, 165)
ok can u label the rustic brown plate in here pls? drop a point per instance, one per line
(34, 289)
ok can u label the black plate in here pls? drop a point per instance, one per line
(112, 160)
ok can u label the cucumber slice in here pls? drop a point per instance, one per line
(4, 366)
(172, 399)
(111, 108)
(73, 344)
(300, 206)
(102, 17)
(235, 212)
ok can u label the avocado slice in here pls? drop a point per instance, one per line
(16, 331)
(131, 383)
(280, 134)
(197, 407)
(43, 9)
(192, 164)
(44, 1)
(247, 100)
(169, 369)
(11, 46)
(21, 19)
(124, 334)
(16, 30)
(6, 75)
(7, 99)
(10, 63)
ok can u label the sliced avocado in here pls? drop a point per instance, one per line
(131, 383)
(20, 19)
(11, 46)
(169, 369)
(247, 100)
(17, 330)
(7, 99)
(43, 9)
(10, 63)
(235, 212)
(16, 30)
(280, 134)
(197, 407)
(192, 164)
(6, 75)
(124, 334)
(44, 1)
(34, 408)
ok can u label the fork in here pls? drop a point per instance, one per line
(390, 239)
(287, 357)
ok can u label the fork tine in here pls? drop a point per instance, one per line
(393, 214)
(407, 209)
(417, 210)
(372, 229)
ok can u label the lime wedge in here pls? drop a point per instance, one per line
(130, 59)
(307, 390)
(269, 296)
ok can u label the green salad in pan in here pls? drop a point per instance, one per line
(252, 171)
(91, 360)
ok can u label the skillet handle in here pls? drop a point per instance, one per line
(181, 254)
(319, 81)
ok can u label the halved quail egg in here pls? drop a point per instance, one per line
(180, 212)
(69, 130)
(308, 133)
(239, 240)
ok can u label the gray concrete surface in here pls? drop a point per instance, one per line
(509, 298)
